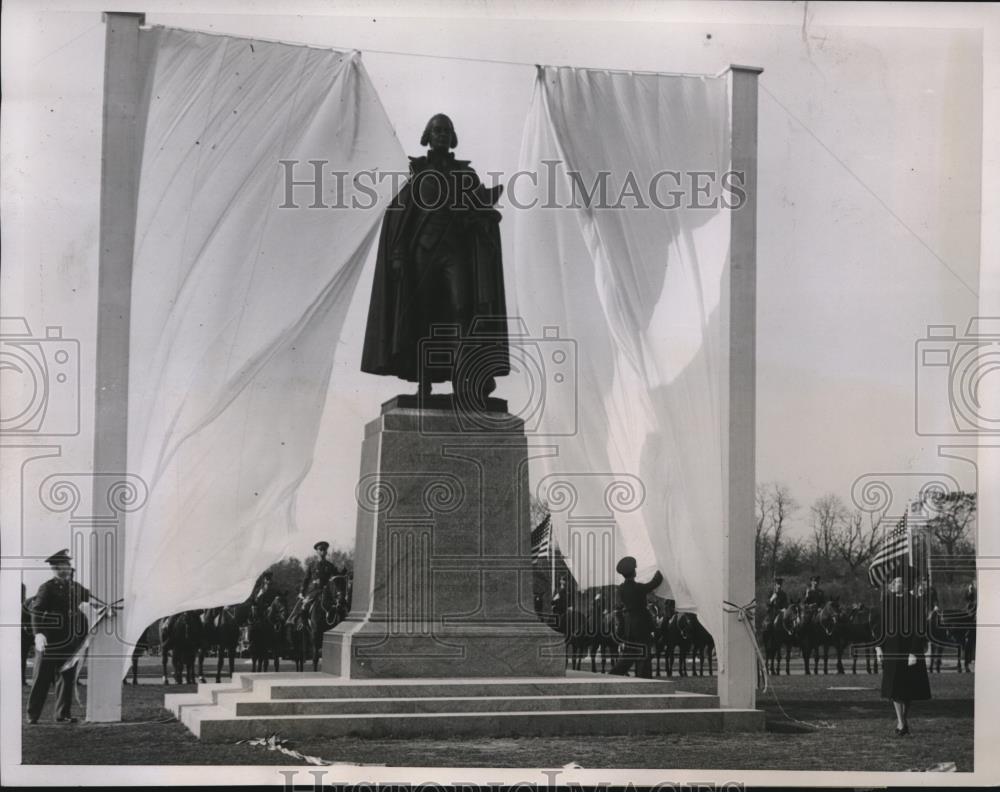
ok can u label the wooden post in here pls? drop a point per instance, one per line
(737, 661)
(120, 148)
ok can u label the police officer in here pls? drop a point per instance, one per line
(59, 627)
(779, 597)
(814, 594)
(319, 572)
(638, 623)
(560, 601)
(264, 591)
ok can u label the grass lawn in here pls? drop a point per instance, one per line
(860, 736)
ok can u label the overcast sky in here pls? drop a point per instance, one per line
(868, 214)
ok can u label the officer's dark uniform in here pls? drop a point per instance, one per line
(778, 600)
(261, 596)
(559, 605)
(319, 572)
(638, 621)
(55, 613)
(814, 596)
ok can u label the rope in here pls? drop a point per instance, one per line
(402, 53)
(742, 615)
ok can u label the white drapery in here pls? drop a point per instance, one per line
(237, 304)
(636, 289)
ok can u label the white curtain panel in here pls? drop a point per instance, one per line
(237, 304)
(635, 290)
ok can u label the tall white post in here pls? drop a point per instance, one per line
(737, 661)
(120, 148)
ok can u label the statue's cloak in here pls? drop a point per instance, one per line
(399, 314)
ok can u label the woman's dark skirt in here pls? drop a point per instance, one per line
(902, 682)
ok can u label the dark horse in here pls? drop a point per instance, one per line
(325, 612)
(298, 639)
(952, 630)
(807, 631)
(832, 631)
(863, 628)
(221, 634)
(695, 640)
(180, 638)
(778, 634)
(266, 634)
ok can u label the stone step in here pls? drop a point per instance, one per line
(418, 704)
(214, 725)
(317, 685)
(323, 686)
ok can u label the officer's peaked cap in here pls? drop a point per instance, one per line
(626, 566)
(62, 557)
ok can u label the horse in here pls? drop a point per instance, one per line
(604, 630)
(832, 631)
(697, 641)
(140, 648)
(807, 633)
(952, 629)
(266, 633)
(298, 639)
(861, 622)
(222, 635)
(778, 634)
(180, 638)
(665, 639)
(325, 612)
(576, 636)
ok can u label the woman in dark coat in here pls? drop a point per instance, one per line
(904, 672)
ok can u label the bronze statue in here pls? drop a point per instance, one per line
(438, 311)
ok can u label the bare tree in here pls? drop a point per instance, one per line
(783, 505)
(762, 515)
(854, 542)
(953, 513)
(828, 513)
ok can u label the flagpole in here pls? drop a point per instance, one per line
(120, 148)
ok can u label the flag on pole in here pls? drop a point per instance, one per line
(541, 539)
(896, 544)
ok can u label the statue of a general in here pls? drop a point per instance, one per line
(438, 311)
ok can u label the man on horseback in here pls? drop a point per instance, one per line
(814, 594)
(264, 591)
(319, 572)
(560, 601)
(778, 600)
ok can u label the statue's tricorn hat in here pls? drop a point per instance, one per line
(780, 581)
(57, 559)
(814, 579)
(321, 546)
(626, 567)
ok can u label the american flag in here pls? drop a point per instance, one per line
(540, 539)
(894, 547)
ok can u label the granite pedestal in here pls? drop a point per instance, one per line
(442, 566)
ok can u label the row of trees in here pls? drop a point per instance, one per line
(843, 541)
